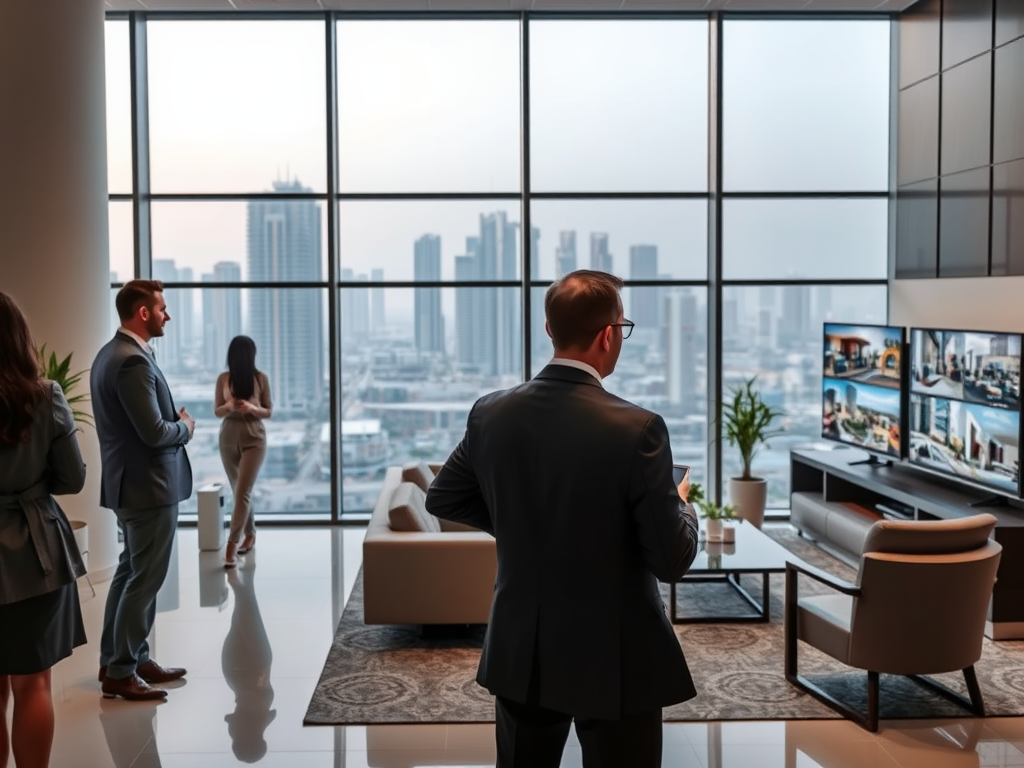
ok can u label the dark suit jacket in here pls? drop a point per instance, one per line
(576, 486)
(142, 439)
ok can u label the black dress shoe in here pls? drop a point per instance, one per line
(132, 688)
(152, 672)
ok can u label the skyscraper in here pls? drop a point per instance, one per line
(565, 254)
(172, 347)
(222, 314)
(795, 322)
(429, 323)
(487, 320)
(284, 239)
(600, 259)
(378, 317)
(541, 343)
(469, 342)
(498, 238)
(644, 300)
(681, 343)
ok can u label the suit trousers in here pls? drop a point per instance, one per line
(131, 603)
(530, 736)
(243, 447)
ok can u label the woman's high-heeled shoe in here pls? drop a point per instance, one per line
(247, 544)
(229, 555)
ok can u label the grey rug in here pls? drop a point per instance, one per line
(396, 674)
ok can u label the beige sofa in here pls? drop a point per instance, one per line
(442, 573)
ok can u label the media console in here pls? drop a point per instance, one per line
(828, 485)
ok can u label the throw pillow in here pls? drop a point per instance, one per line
(408, 510)
(418, 472)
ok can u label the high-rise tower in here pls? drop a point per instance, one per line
(429, 323)
(222, 314)
(287, 324)
(600, 259)
(645, 302)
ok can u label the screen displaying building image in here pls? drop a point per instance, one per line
(862, 415)
(973, 442)
(868, 354)
(976, 367)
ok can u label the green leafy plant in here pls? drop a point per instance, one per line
(60, 372)
(707, 507)
(747, 420)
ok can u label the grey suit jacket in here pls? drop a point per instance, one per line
(576, 486)
(142, 439)
(38, 553)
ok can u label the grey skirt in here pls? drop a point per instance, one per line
(40, 631)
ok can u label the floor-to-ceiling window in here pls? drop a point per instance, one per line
(805, 177)
(380, 202)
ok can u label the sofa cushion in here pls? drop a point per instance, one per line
(418, 472)
(408, 510)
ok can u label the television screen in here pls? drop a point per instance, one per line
(965, 406)
(862, 387)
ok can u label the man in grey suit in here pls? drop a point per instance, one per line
(576, 486)
(146, 472)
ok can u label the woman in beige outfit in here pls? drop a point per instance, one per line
(242, 399)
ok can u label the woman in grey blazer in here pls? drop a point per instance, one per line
(39, 560)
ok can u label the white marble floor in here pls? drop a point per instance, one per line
(255, 641)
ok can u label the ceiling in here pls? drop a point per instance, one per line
(819, 6)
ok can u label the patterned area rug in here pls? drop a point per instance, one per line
(396, 674)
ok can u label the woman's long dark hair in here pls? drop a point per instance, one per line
(242, 367)
(20, 374)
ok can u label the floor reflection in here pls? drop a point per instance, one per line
(245, 661)
(128, 727)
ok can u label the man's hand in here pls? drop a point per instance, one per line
(189, 421)
(684, 488)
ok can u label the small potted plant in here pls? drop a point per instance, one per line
(715, 515)
(747, 421)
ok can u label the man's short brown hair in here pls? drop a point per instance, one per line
(135, 294)
(579, 305)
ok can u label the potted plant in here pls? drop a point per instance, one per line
(715, 515)
(59, 371)
(746, 422)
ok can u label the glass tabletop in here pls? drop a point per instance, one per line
(752, 551)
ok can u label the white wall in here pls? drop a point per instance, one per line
(973, 304)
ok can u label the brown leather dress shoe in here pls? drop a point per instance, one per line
(152, 672)
(132, 688)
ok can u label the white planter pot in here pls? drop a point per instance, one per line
(713, 529)
(729, 533)
(749, 497)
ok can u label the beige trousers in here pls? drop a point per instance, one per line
(243, 446)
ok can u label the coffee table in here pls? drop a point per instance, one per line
(753, 552)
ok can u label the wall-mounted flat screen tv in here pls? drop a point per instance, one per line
(863, 387)
(965, 406)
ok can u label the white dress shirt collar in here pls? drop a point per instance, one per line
(137, 339)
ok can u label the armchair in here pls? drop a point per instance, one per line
(918, 607)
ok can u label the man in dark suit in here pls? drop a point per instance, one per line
(576, 486)
(146, 472)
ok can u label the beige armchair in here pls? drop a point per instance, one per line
(918, 607)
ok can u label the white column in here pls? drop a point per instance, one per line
(53, 202)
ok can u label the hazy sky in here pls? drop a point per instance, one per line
(433, 106)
